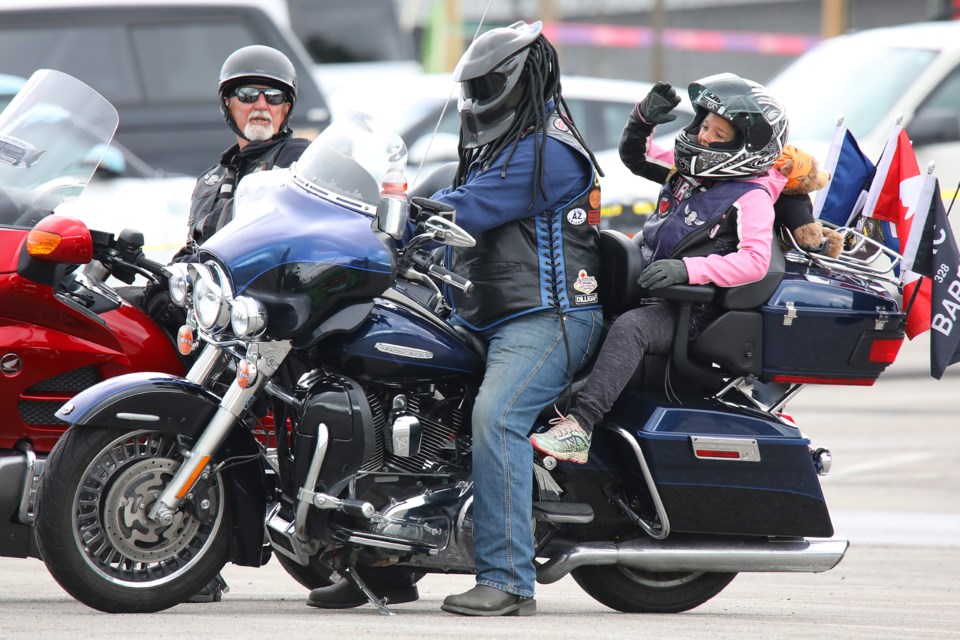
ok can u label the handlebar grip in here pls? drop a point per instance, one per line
(150, 265)
(450, 278)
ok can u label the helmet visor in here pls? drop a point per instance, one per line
(484, 88)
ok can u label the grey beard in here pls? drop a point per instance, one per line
(258, 132)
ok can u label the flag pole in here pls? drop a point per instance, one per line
(916, 290)
(830, 164)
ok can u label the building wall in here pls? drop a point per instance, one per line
(702, 21)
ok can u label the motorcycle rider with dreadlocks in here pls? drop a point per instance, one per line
(526, 189)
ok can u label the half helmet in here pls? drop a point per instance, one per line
(758, 119)
(257, 64)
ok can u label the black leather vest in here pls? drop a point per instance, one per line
(213, 194)
(550, 260)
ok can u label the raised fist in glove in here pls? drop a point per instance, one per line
(660, 101)
(663, 273)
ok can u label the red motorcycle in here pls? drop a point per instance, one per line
(62, 328)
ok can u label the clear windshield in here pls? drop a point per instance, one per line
(348, 162)
(52, 137)
(838, 77)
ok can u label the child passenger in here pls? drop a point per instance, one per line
(713, 223)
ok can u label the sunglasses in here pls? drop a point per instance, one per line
(249, 95)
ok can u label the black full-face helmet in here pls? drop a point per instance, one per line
(257, 64)
(490, 74)
(758, 119)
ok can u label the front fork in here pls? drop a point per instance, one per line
(269, 356)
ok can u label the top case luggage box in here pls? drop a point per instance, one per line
(829, 329)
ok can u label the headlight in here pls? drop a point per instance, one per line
(179, 283)
(211, 295)
(247, 317)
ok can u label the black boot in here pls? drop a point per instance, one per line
(343, 595)
(487, 601)
(213, 592)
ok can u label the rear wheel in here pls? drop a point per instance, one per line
(636, 591)
(94, 533)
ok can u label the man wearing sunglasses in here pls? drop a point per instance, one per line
(258, 89)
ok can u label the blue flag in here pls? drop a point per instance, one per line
(850, 175)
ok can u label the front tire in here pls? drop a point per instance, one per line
(93, 531)
(636, 591)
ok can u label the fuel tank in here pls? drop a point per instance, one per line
(401, 342)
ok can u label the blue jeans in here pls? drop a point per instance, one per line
(527, 369)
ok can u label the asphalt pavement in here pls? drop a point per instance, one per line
(892, 491)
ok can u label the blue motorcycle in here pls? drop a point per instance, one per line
(315, 310)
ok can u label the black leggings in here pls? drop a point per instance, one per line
(646, 329)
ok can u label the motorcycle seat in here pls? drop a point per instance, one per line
(730, 345)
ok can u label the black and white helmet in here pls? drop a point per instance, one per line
(758, 119)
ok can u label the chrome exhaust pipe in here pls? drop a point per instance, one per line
(810, 555)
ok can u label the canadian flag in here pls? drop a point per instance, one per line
(893, 197)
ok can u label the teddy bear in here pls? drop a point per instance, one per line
(793, 210)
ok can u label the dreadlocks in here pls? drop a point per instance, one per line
(541, 86)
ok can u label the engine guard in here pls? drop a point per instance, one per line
(156, 401)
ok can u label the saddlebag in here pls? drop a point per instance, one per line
(829, 329)
(721, 473)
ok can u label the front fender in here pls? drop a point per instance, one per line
(156, 401)
(162, 402)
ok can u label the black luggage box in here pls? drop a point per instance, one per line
(737, 475)
(829, 329)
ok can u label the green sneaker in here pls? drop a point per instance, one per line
(566, 440)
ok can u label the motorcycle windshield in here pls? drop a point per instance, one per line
(319, 211)
(53, 135)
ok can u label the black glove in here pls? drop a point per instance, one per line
(663, 273)
(660, 101)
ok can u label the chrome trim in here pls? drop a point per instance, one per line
(747, 449)
(204, 365)
(810, 555)
(332, 196)
(651, 529)
(30, 476)
(302, 540)
(230, 410)
(138, 417)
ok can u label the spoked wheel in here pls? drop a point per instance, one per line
(637, 591)
(93, 528)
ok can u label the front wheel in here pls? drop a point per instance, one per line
(636, 591)
(93, 530)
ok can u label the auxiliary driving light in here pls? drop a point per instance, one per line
(247, 317)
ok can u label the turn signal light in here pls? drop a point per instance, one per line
(42, 243)
(186, 341)
(246, 373)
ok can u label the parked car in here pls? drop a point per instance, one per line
(158, 63)
(870, 77)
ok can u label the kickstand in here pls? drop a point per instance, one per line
(349, 573)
